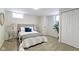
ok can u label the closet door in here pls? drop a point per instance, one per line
(70, 28)
(76, 28)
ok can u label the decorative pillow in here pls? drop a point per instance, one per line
(28, 30)
(31, 28)
(22, 29)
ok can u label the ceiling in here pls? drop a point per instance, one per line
(36, 12)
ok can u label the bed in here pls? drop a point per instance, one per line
(29, 36)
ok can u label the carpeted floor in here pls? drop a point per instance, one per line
(51, 45)
(9, 45)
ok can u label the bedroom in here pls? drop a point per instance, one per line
(42, 20)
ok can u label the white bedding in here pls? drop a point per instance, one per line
(31, 41)
(24, 33)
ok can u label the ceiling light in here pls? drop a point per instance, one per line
(36, 8)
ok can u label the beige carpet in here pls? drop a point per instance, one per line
(9, 45)
(51, 45)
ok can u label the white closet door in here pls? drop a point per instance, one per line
(70, 28)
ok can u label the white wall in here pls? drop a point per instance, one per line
(70, 28)
(26, 20)
(40, 22)
(43, 24)
(2, 30)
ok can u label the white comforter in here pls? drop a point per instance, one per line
(24, 33)
(31, 41)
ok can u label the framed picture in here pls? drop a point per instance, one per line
(2, 19)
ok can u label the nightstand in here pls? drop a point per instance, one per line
(12, 34)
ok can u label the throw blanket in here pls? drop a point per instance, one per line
(30, 35)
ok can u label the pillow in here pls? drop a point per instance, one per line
(22, 29)
(31, 28)
(28, 30)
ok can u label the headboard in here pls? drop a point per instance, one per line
(27, 25)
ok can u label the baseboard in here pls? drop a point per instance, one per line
(73, 45)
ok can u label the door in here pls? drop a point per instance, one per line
(70, 28)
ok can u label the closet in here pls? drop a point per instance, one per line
(69, 27)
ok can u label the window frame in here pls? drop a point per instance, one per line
(17, 15)
(54, 19)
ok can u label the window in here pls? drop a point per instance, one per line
(56, 19)
(17, 15)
